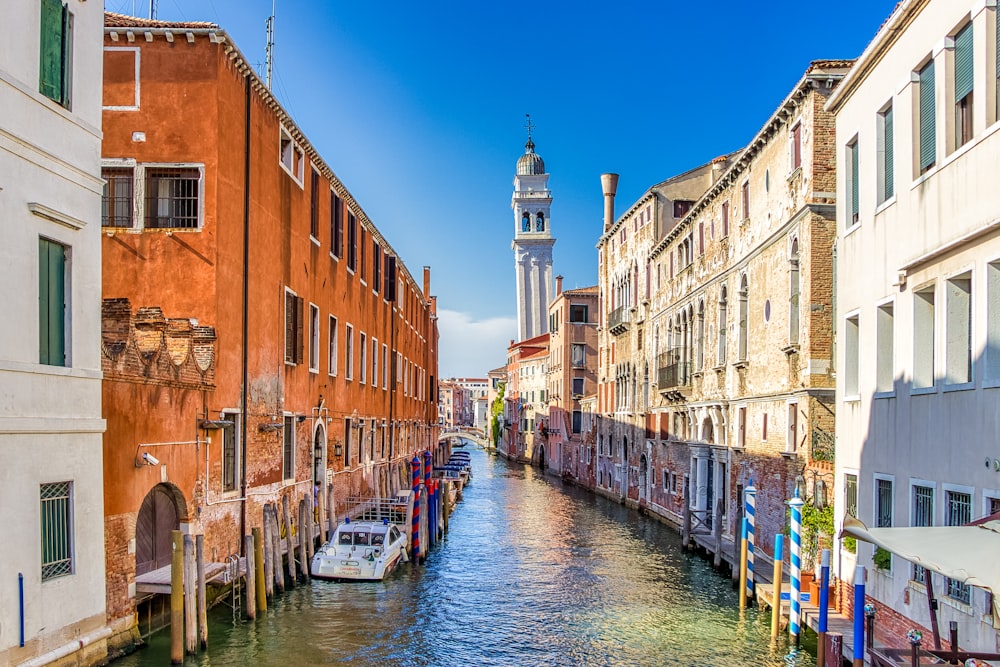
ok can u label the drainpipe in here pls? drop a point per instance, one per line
(244, 389)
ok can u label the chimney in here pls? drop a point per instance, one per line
(609, 184)
(719, 165)
(427, 282)
(559, 280)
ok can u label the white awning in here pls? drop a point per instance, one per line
(969, 554)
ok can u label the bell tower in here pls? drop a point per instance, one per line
(533, 242)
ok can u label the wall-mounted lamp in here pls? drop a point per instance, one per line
(149, 459)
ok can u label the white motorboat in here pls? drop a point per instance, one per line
(360, 550)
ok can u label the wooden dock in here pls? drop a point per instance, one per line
(158, 581)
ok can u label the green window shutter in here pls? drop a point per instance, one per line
(927, 117)
(51, 303)
(853, 148)
(887, 136)
(52, 52)
(963, 62)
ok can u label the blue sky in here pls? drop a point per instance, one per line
(420, 108)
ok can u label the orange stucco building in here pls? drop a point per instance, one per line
(261, 338)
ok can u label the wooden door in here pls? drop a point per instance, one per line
(157, 519)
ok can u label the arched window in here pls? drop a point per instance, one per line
(793, 294)
(540, 222)
(700, 356)
(526, 222)
(744, 318)
(723, 324)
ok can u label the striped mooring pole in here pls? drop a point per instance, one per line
(859, 616)
(415, 524)
(795, 572)
(431, 513)
(750, 511)
(824, 612)
(428, 466)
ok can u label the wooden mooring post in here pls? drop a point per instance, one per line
(321, 511)
(278, 569)
(289, 544)
(303, 541)
(199, 559)
(686, 529)
(190, 609)
(717, 534)
(251, 546)
(177, 598)
(268, 555)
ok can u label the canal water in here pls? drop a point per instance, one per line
(532, 572)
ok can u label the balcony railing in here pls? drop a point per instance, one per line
(618, 320)
(671, 373)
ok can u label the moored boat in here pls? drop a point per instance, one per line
(361, 551)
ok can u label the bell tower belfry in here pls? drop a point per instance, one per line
(533, 242)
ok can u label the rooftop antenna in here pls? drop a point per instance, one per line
(152, 10)
(269, 53)
(528, 124)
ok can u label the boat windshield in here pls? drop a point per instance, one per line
(361, 538)
(378, 539)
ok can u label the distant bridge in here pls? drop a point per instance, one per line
(466, 433)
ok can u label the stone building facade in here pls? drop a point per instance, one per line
(740, 330)
(262, 339)
(524, 400)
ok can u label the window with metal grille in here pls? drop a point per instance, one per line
(883, 500)
(851, 495)
(230, 452)
(116, 205)
(923, 515)
(288, 448)
(56, 529)
(959, 513)
(172, 195)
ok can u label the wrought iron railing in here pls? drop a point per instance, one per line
(672, 372)
(618, 319)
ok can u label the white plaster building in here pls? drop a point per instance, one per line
(51, 486)
(532, 244)
(918, 295)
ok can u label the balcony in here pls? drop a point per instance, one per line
(673, 377)
(618, 320)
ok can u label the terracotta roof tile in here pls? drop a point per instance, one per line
(113, 20)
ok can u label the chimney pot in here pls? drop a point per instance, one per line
(609, 185)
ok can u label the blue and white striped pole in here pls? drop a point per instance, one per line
(795, 613)
(750, 511)
(824, 603)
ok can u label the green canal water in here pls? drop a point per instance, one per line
(532, 572)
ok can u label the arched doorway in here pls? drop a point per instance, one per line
(643, 479)
(159, 516)
(541, 457)
(708, 430)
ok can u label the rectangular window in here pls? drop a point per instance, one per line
(390, 279)
(745, 199)
(958, 332)
(578, 355)
(725, 218)
(763, 430)
(363, 252)
(376, 266)
(56, 524)
(884, 362)
(701, 244)
(374, 361)
(172, 197)
(293, 328)
(883, 503)
(52, 306)
(314, 205)
(578, 386)
(363, 346)
(993, 320)
(853, 183)
(336, 226)
(886, 170)
(230, 451)
(741, 427)
(291, 156)
(923, 338)
(577, 313)
(332, 360)
(791, 444)
(851, 356)
(959, 513)
(797, 146)
(352, 242)
(55, 73)
(313, 338)
(577, 420)
(851, 495)
(116, 204)
(288, 448)
(963, 85)
(385, 366)
(347, 442)
(349, 358)
(923, 516)
(926, 119)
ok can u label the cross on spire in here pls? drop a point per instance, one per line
(528, 124)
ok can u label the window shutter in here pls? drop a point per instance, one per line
(854, 180)
(927, 117)
(963, 62)
(50, 63)
(299, 320)
(887, 139)
(51, 303)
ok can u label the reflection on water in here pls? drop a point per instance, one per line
(531, 573)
